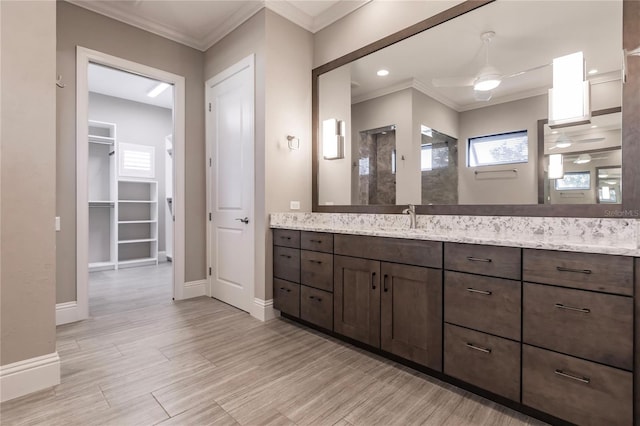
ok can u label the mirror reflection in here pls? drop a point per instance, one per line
(449, 116)
(582, 163)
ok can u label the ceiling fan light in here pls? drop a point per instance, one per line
(486, 82)
(583, 159)
(563, 144)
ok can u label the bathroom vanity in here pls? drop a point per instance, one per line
(542, 323)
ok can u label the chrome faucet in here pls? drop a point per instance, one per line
(411, 211)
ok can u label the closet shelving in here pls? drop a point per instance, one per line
(102, 195)
(137, 222)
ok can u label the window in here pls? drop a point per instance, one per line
(137, 160)
(505, 148)
(574, 180)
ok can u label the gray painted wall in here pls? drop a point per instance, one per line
(80, 27)
(28, 175)
(140, 124)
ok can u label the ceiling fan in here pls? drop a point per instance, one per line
(488, 77)
(563, 141)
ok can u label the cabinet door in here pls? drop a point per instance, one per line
(412, 313)
(356, 299)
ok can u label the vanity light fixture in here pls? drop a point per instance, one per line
(158, 89)
(583, 159)
(333, 132)
(382, 73)
(556, 168)
(569, 100)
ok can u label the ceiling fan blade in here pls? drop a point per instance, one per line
(516, 74)
(589, 140)
(453, 81)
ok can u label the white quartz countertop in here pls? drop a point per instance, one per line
(598, 235)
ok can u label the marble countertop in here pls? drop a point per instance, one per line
(598, 235)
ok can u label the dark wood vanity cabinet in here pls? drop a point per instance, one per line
(551, 331)
(578, 338)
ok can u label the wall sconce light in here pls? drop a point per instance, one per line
(293, 142)
(556, 168)
(569, 100)
(333, 132)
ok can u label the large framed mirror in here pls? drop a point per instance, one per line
(407, 121)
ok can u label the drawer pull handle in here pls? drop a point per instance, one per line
(571, 308)
(373, 281)
(585, 380)
(473, 290)
(316, 241)
(285, 238)
(288, 290)
(285, 255)
(315, 261)
(478, 259)
(478, 348)
(384, 283)
(319, 299)
(579, 271)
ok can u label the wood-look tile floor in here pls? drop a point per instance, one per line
(145, 360)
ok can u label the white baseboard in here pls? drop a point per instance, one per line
(67, 312)
(162, 256)
(263, 309)
(31, 375)
(194, 289)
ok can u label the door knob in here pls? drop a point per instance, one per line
(243, 220)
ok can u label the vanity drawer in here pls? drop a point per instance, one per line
(316, 241)
(579, 391)
(489, 362)
(495, 261)
(599, 272)
(286, 264)
(397, 250)
(286, 297)
(316, 269)
(595, 326)
(286, 238)
(316, 307)
(486, 304)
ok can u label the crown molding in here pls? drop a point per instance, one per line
(283, 8)
(109, 10)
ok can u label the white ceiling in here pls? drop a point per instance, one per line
(121, 84)
(201, 23)
(528, 34)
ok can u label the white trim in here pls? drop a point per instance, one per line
(84, 56)
(195, 289)
(67, 312)
(263, 310)
(30, 375)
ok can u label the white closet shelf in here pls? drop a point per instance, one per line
(95, 203)
(136, 261)
(106, 140)
(137, 221)
(141, 240)
(137, 201)
(101, 264)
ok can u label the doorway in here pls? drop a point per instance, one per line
(230, 184)
(130, 178)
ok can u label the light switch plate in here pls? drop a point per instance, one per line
(57, 223)
(294, 205)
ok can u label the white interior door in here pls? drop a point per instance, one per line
(230, 124)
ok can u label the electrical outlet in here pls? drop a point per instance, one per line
(57, 223)
(294, 205)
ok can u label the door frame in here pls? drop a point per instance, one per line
(85, 56)
(247, 62)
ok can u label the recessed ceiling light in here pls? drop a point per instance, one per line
(382, 73)
(158, 89)
(555, 132)
(594, 126)
(593, 71)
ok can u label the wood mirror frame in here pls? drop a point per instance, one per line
(630, 207)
